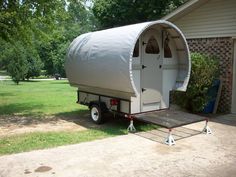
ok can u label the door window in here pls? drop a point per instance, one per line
(152, 46)
(167, 51)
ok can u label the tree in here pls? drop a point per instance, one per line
(23, 23)
(17, 66)
(44, 29)
(34, 66)
(77, 20)
(18, 17)
(112, 13)
(20, 62)
(26, 22)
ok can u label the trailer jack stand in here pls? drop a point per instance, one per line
(170, 139)
(131, 127)
(206, 130)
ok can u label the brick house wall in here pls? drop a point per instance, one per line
(222, 48)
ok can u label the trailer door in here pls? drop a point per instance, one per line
(151, 72)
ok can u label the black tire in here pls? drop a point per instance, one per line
(96, 114)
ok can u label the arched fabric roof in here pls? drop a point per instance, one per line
(103, 59)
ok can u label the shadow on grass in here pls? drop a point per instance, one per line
(23, 109)
(22, 115)
(6, 94)
(10, 82)
(113, 125)
(60, 82)
(30, 81)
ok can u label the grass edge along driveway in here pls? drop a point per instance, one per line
(41, 99)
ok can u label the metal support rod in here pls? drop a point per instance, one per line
(206, 130)
(170, 139)
(131, 127)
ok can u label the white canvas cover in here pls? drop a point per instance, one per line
(103, 59)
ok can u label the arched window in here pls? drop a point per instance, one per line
(152, 46)
(167, 51)
(136, 49)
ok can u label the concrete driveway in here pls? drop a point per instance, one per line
(134, 155)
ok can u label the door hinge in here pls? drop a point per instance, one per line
(143, 89)
(143, 66)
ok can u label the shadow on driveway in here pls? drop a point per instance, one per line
(227, 119)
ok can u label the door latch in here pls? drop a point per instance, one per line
(144, 43)
(143, 89)
(143, 66)
(160, 66)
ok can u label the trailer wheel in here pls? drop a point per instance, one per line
(96, 114)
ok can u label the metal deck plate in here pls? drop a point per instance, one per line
(169, 118)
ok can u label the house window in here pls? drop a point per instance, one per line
(152, 46)
(136, 49)
(167, 51)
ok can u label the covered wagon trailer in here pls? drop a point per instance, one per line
(129, 70)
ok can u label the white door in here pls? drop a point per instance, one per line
(151, 72)
(233, 108)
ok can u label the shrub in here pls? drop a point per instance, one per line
(17, 63)
(21, 61)
(204, 71)
(17, 68)
(34, 66)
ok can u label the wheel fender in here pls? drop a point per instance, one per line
(102, 105)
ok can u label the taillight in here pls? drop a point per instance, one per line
(114, 102)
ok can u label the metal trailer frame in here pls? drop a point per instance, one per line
(142, 116)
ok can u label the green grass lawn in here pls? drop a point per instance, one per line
(42, 99)
(38, 98)
(40, 140)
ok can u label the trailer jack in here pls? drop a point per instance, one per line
(170, 139)
(206, 130)
(131, 127)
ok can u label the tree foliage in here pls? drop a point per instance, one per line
(18, 18)
(38, 32)
(34, 65)
(17, 66)
(16, 58)
(77, 19)
(112, 13)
